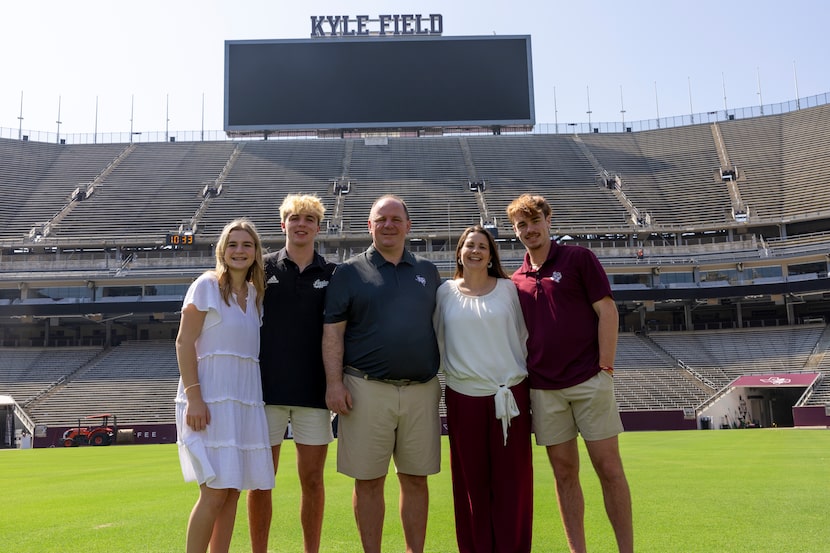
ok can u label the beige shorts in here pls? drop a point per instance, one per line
(389, 421)
(309, 425)
(588, 408)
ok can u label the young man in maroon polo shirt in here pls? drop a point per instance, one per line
(572, 323)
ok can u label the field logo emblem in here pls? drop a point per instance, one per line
(776, 380)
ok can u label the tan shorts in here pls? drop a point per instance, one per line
(309, 425)
(389, 421)
(588, 408)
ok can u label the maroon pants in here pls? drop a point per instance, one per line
(492, 483)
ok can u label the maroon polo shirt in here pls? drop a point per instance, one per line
(563, 344)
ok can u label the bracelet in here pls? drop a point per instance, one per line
(186, 388)
(609, 369)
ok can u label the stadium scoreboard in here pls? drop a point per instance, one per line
(179, 239)
(365, 83)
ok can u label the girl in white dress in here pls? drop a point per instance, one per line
(222, 432)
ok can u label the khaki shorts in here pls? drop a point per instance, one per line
(389, 421)
(309, 425)
(588, 408)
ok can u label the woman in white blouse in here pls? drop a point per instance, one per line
(481, 334)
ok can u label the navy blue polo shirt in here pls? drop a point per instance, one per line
(290, 353)
(388, 310)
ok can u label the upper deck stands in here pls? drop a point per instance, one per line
(37, 180)
(428, 173)
(265, 172)
(784, 160)
(669, 174)
(549, 165)
(152, 191)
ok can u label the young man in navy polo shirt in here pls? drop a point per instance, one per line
(291, 364)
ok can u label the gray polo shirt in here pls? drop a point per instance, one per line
(388, 310)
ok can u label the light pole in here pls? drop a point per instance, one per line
(723, 82)
(760, 97)
(691, 109)
(657, 104)
(132, 113)
(588, 93)
(555, 113)
(20, 119)
(622, 108)
(797, 97)
(58, 140)
(167, 120)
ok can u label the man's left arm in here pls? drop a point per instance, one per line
(607, 330)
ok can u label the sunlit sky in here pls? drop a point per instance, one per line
(157, 59)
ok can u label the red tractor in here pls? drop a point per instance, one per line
(97, 434)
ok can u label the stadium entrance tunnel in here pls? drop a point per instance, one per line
(757, 401)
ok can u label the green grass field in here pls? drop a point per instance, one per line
(716, 491)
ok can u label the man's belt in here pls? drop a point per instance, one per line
(351, 371)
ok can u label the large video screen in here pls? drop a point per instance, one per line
(378, 82)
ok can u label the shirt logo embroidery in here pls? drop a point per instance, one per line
(421, 280)
(556, 276)
(273, 280)
(321, 283)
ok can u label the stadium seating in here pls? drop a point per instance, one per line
(152, 192)
(723, 355)
(670, 174)
(265, 172)
(143, 191)
(550, 165)
(137, 380)
(781, 160)
(25, 373)
(645, 380)
(38, 179)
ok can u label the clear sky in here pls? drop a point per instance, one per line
(151, 58)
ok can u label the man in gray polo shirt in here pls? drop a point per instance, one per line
(381, 360)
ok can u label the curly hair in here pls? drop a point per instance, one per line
(528, 205)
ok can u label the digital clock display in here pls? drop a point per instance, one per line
(179, 239)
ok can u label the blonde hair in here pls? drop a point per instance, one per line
(302, 203)
(256, 272)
